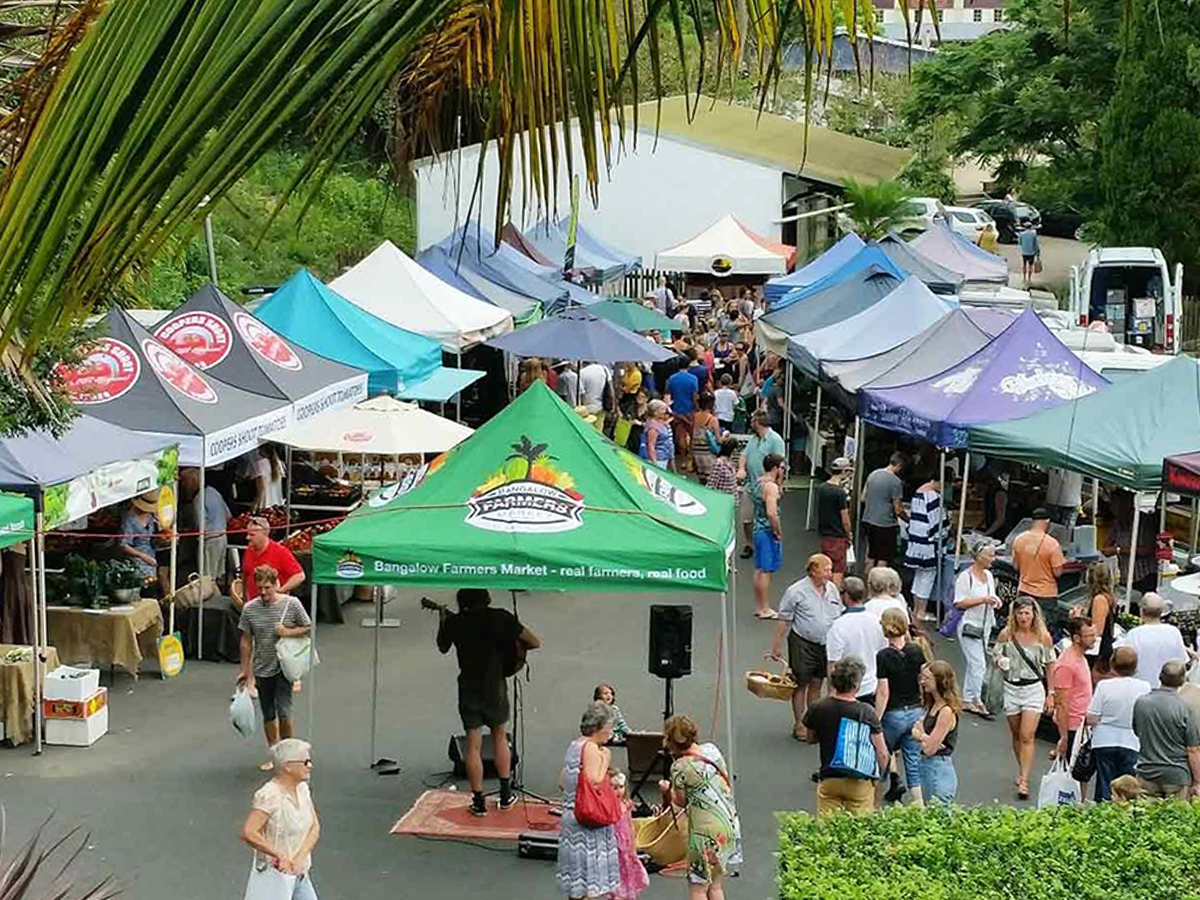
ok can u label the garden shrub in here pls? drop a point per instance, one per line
(1097, 852)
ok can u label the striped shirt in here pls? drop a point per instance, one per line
(924, 527)
(259, 621)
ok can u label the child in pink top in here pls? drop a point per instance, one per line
(634, 879)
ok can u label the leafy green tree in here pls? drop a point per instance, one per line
(1150, 134)
(876, 208)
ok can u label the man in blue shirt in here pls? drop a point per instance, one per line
(1027, 239)
(697, 368)
(684, 391)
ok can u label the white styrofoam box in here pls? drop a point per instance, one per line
(77, 732)
(69, 683)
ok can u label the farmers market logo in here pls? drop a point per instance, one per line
(349, 566)
(1038, 382)
(201, 338)
(359, 436)
(527, 494)
(266, 343)
(110, 369)
(653, 481)
(177, 373)
(721, 265)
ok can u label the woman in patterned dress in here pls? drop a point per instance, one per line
(588, 862)
(700, 783)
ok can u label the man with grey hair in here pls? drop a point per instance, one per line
(1169, 737)
(853, 751)
(884, 587)
(1155, 641)
(856, 634)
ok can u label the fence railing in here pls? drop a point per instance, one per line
(638, 284)
(1189, 326)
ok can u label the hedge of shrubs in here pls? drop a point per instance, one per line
(1094, 852)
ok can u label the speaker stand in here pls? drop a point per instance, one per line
(668, 698)
(517, 774)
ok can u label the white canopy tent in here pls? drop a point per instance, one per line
(382, 425)
(390, 285)
(725, 248)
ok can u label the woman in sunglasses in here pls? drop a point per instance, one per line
(283, 827)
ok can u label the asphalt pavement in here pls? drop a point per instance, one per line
(164, 794)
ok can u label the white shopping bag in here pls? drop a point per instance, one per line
(296, 657)
(269, 884)
(1058, 788)
(241, 712)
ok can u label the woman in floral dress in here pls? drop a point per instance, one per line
(700, 783)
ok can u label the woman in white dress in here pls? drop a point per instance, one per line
(975, 595)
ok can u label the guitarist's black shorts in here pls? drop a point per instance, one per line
(479, 706)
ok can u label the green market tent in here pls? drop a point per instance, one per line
(16, 519)
(632, 315)
(537, 499)
(1119, 434)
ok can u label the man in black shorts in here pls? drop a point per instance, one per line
(882, 511)
(486, 641)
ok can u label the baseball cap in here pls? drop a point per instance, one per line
(841, 464)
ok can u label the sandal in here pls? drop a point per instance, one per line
(1022, 790)
(766, 614)
(800, 733)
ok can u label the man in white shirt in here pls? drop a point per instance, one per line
(856, 633)
(884, 587)
(1155, 641)
(1114, 745)
(593, 382)
(568, 384)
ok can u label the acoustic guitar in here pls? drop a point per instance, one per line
(512, 659)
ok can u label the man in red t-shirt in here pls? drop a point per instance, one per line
(265, 552)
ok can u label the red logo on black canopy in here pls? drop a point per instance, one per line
(177, 373)
(109, 369)
(200, 337)
(266, 343)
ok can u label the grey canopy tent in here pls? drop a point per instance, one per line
(217, 336)
(936, 277)
(93, 465)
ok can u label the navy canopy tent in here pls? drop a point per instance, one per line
(815, 270)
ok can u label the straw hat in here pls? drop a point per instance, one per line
(147, 502)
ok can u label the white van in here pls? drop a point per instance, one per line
(1131, 288)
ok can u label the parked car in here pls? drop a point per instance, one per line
(920, 213)
(967, 221)
(1133, 291)
(1008, 215)
(1063, 221)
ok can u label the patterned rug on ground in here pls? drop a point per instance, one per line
(444, 814)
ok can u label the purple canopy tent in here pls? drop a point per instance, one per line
(1023, 370)
(954, 252)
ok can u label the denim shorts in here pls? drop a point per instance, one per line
(939, 781)
(897, 734)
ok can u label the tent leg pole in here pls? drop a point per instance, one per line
(287, 496)
(200, 560)
(815, 445)
(787, 415)
(1096, 500)
(940, 546)
(41, 590)
(40, 639)
(1132, 553)
(962, 509)
(172, 574)
(458, 396)
(727, 680)
(1195, 525)
(859, 454)
(311, 687)
(1162, 527)
(377, 591)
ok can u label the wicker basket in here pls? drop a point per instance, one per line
(770, 686)
(663, 838)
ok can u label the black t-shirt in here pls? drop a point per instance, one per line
(902, 669)
(483, 639)
(844, 729)
(831, 500)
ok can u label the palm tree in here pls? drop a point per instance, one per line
(528, 451)
(877, 208)
(21, 872)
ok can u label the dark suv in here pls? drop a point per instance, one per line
(1008, 215)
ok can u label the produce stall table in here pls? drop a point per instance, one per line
(118, 636)
(16, 692)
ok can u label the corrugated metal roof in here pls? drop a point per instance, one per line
(775, 141)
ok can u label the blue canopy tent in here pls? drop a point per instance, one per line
(461, 274)
(1024, 370)
(868, 257)
(313, 315)
(903, 313)
(815, 270)
(551, 242)
(593, 244)
(512, 269)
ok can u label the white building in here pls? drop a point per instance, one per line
(661, 192)
(958, 20)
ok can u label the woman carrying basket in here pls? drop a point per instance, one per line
(700, 784)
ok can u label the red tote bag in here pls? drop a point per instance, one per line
(596, 805)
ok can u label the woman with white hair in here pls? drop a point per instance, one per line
(283, 828)
(975, 595)
(588, 862)
(884, 592)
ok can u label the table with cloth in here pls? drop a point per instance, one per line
(16, 692)
(120, 636)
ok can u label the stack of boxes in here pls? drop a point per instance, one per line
(75, 707)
